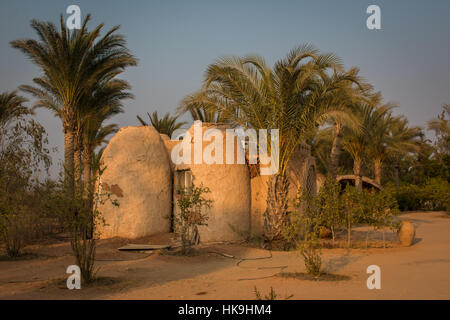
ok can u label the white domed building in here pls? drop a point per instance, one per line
(144, 174)
(138, 175)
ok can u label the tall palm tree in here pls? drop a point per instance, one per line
(379, 139)
(71, 63)
(356, 142)
(389, 136)
(11, 107)
(441, 128)
(95, 136)
(345, 101)
(293, 97)
(106, 101)
(401, 141)
(166, 125)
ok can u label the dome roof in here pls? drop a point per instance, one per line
(138, 175)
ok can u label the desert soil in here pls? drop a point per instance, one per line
(421, 271)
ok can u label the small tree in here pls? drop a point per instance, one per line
(310, 247)
(303, 231)
(352, 200)
(23, 156)
(82, 219)
(190, 202)
(379, 210)
(331, 206)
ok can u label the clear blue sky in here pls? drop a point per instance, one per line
(408, 60)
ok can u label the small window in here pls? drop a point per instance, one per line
(183, 180)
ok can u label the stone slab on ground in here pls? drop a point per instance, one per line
(143, 247)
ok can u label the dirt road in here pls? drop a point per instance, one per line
(421, 271)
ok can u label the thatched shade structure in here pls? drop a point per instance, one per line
(350, 179)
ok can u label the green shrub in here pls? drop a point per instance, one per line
(303, 230)
(311, 253)
(190, 202)
(336, 209)
(81, 219)
(14, 235)
(330, 206)
(23, 155)
(433, 195)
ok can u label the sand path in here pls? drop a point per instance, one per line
(421, 271)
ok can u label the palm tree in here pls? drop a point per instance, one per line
(201, 107)
(441, 128)
(401, 141)
(379, 139)
(166, 125)
(95, 136)
(106, 101)
(356, 142)
(345, 101)
(72, 62)
(11, 107)
(293, 97)
(391, 137)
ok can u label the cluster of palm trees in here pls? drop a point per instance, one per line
(295, 97)
(368, 133)
(308, 96)
(79, 84)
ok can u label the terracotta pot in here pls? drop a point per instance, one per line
(406, 233)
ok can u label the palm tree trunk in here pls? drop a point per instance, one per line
(69, 157)
(357, 173)
(377, 164)
(77, 162)
(396, 172)
(275, 216)
(87, 155)
(335, 150)
(88, 189)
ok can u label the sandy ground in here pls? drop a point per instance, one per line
(421, 271)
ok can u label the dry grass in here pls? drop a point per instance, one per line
(309, 277)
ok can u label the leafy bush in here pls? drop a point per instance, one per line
(336, 209)
(331, 206)
(81, 217)
(433, 195)
(23, 155)
(303, 229)
(13, 231)
(352, 205)
(190, 202)
(374, 208)
(311, 253)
